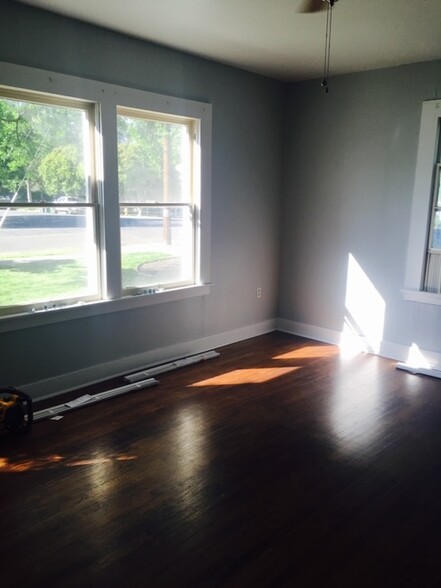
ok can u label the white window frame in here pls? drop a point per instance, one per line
(421, 218)
(107, 97)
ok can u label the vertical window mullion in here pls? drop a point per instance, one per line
(107, 183)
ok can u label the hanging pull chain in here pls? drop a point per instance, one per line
(326, 65)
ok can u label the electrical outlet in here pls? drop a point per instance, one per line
(259, 292)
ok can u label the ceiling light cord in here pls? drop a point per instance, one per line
(327, 60)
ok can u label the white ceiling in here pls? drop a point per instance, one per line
(270, 36)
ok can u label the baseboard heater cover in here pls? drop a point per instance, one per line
(173, 365)
(434, 373)
(87, 399)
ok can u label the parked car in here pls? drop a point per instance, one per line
(131, 211)
(67, 210)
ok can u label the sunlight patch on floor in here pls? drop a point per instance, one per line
(309, 352)
(247, 376)
(55, 461)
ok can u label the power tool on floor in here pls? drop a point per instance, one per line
(16, 414)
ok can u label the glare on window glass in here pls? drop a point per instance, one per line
(438, 188)
(436, 233)
(156, 213)
(153, 160)
(47, 242)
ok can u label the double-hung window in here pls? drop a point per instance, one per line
(104, 197)
(423, 271)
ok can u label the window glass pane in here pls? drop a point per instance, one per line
(436, 233)
(155, 167)
(433, 273)
(157, 251)
(43, 152)
(438, 189)
(46, 256)
(153, 160)
(48, 252)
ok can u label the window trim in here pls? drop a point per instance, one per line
(98, 307)
(107, 97)
(422, 205)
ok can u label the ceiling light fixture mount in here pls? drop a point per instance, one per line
(310, 7)
(326, 66)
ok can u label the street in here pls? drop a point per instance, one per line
(60, 232)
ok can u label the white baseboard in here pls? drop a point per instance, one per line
(61, 384)
(308, 331)
(387, 349)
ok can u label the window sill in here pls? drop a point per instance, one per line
(95, 308)
(422, 297)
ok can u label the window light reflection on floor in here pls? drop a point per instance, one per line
(356, 410)
(191, 442)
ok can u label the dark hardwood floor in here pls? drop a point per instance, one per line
(280, 463)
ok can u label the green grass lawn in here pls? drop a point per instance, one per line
(24, 280)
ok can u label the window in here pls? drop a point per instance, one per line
(423, 271)
(158, 200)
(104, 197)
(432, 278)
(47, 202)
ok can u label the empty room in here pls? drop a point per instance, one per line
(220, 293)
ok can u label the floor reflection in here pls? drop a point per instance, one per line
(356, 408)
(191, 454)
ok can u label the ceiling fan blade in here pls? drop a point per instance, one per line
(309, 6)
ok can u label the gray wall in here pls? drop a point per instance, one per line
(349, 170)
(246, 189)
(344, 163)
